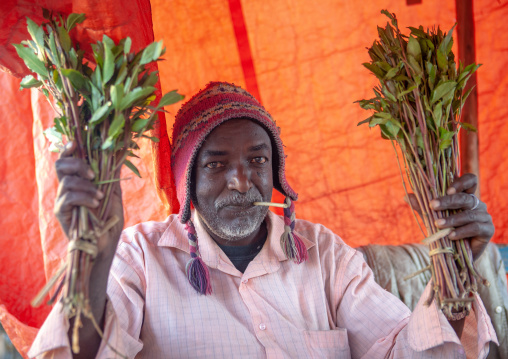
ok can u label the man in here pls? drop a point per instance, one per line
(256, 285)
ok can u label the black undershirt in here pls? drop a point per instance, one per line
(241, 256)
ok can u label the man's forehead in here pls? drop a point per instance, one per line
(245, 127)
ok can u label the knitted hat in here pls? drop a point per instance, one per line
(217, 103)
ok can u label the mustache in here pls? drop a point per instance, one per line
(238, 199)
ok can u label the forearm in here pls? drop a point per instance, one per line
(89, 337)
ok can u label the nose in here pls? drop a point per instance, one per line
(239, 179)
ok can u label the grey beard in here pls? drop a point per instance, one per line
(232, 232)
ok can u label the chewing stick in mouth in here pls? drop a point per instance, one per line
(272, 204)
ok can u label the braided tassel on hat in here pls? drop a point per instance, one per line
(291, 244)
(197, 271)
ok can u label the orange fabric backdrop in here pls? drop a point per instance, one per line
(304, 63)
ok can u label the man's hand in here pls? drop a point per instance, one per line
(474, 224)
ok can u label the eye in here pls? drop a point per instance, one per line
(259, 160)
(215, 164)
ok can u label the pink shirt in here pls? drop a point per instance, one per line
(329, 306)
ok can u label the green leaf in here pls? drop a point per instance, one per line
(139, 125)
(65, 39)
(390, 74)
(170, 98)
(74, 19)
(391, 128)
(445, 45)
(108, 143)
(100, 113)
(115, 129)
(132, 97)
(380, 118)
(53, 135)
(374, 69)
(442, 90)
(468, 127)
(437, 114)
(431, 72)
(394, 21)
(73, 57)
(37, 34)
(28, 82)
(127, 45)
(76, 78)
(132, 168)
(116, 94)
(415, 65)
(413, 48)
(442, 61)
(367, 120)
(31, 60)
(52, 47)
(389, 95)
(418, 32)
(109, 60)
(151, 53)
(59, 124)
(444, 134)
(405, 92)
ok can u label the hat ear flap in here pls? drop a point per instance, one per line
(197, 271)
(291, 244)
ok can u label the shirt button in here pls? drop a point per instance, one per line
(262, 326)
(499, 309)
(245, 281)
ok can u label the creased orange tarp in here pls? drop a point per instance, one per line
(307, 61)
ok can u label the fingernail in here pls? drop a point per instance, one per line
(90, 174)
(68, 145)
(451, 190)
(99, 194)
(452, 235)
(434, 204)
(95, 203)
(440, 222)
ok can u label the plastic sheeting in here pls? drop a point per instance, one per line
(302, 61)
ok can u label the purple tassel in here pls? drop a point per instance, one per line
(197, 271)
(292, 245)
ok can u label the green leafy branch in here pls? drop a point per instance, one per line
(105, 107)
(418, 105)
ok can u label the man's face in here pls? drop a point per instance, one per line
(233, 169)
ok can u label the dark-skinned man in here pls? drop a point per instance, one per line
(227, 278)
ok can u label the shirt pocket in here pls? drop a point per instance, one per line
(328, 343)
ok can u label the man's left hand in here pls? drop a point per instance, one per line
(471, 223)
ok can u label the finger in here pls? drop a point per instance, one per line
(78, 184)
(69, 166)
(464, 218)
(466, 183)
(69, 149)
(473, 230)
(69, 200)
(456, 201)
(411, 199)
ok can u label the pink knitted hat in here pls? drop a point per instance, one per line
(217, 103)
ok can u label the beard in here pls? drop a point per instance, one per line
(245, 220)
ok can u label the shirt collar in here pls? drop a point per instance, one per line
(175, 236)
